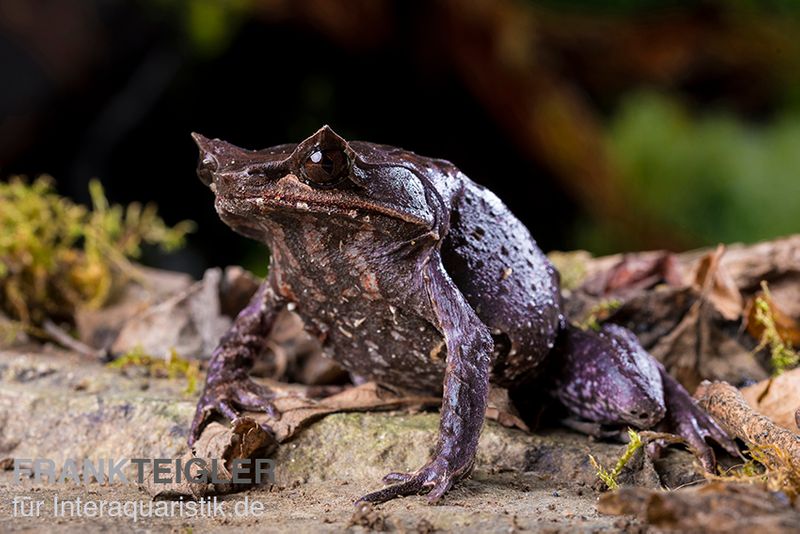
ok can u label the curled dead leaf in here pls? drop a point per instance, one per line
(777, 398)
(716, 285)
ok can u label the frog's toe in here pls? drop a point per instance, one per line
(229, 398)
(393, 478)
(433, 479)
(257, 398)
(412, 486)
(203, 413)
(699, 429)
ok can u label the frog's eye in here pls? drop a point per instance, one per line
(326, 167)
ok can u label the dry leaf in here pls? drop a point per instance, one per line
(501, 409)
(716, 285)
(636, 272)
(714, 507)
(189, 322)
(698, 349)
(778, 398)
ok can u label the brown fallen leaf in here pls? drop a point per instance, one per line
(778, 398)
(188, 321)
(773, 261)
(244, 439)
(713, 507)
(698, 347)
(502, 410)
(636, 272)
(99, 328)
(717, 286)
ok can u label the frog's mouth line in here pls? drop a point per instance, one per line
(352, 208)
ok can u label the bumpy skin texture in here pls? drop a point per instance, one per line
(415, 276)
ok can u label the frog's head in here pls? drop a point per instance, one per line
(632, 384)
(323, 176)
(607, 377)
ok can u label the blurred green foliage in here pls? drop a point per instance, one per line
(711, 176)
(209, 25)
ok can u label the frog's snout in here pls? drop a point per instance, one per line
(646, 415)
(207, 163)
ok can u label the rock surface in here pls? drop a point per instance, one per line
(59, 405)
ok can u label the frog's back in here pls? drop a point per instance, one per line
(506, 278)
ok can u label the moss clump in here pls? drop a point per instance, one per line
(599, 313)
(171, 367)
(56, 256)
(571, 267)
(770, 466)
(782, 354)
(609, 478)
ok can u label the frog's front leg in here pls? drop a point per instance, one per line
(686, 419)
(607, 377)
(466, 388)
(228, 387)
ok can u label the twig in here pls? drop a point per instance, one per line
(57, 334)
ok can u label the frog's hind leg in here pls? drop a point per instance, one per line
(607, 377)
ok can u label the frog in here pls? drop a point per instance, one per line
(414, 276)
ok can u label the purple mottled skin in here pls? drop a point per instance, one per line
(413, 275)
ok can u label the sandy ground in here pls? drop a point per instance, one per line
(59, 406)
(507, 502)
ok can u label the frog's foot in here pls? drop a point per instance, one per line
(435, 479)
(228, 395)
(690, 422)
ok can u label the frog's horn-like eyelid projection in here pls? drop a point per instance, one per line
(327, 138)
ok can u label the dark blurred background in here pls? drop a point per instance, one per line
(618, 125)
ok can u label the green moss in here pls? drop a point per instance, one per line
(768, 465)
(56, 255)
(599, 312)
(172, 367)
(571, 266)
(782, 354)
(609, 478)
